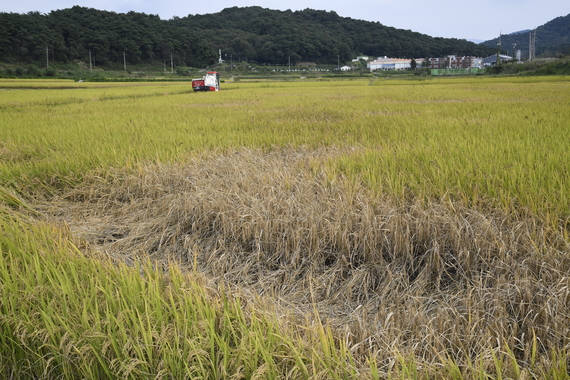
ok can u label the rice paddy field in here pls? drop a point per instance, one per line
(356, 229)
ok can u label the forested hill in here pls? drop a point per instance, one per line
(254, 34)
(552, 38)
(272, 36)
(70, 34)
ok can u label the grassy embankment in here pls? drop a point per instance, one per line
(372, 228)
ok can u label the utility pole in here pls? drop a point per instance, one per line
(232, 63)
(171, 64)
(534, 44)
(47, 56)
(338, 63)
(499, 49)
(125, 60)
(90, 67)
(289, 63)
(531, 45)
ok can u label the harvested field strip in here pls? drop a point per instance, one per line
(18, 96)
(50, 102)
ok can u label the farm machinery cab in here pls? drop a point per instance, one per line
(210, 82)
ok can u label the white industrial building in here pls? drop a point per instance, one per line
(385, 63)
(492, 59)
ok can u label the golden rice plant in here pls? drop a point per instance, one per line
(386, 229)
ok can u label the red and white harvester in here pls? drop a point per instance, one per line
(210, 82)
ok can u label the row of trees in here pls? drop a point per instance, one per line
(272, 36)
(73, 33)
(251, 34)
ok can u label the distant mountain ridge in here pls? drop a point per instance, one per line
(252, 34)
(273, 36)
(519, 32)
(552, 39)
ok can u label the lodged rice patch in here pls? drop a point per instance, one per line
(434, 279)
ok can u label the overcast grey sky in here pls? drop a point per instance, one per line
(480, 19)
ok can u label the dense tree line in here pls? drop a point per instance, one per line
(250, 34)
(70, 34)
(552, 39)
(272, 36)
